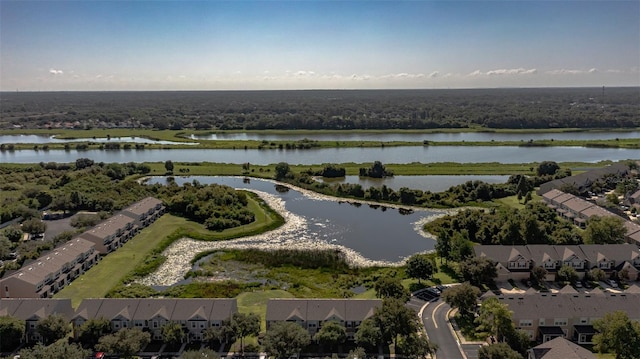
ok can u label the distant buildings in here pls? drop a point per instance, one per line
(54, 270)
(582, 182)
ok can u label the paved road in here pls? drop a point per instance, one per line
(439, 331)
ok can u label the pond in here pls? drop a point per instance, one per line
(40, 139)
(433, 183)
(387, 155)
(419, 137)
(377, 233)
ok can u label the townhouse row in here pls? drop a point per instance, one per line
(567, 313)
(195, 315)
(578, 211)
(516, 262)
(45, 276)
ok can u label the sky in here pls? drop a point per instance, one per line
(305, 44)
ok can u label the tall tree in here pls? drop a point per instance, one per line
(498, 351)
(443, 244)
(390, 287)
(243, 325)
(478, 270)
(547, 168)
(331, 334)
(416, 346)
(125, 342)
(567, 274)
(11, 333)
(53, 328)
(282, 169)
(419, 266)
(60, 350)
(368, 334)
(285, 339)
(168, 165)
(172, 333)
(605, 230)
(495, 318)
(463, 296)
(617, 333)
(93, 329)
(395, 319)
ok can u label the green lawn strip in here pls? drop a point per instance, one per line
(405, 169)
(142, 254)
(256, 302)
(97, 281)
(513, 202)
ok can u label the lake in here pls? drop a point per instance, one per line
(433, 183)
(39, 139)
(379, 234)
(387, 155)
(419, 137)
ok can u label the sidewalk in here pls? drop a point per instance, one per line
(456, 330)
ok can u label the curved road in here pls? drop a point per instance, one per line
(434, 318)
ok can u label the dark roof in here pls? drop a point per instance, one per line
(584, 329)
(35, 308)
(550, 330)
(321, 309)
(560, 348)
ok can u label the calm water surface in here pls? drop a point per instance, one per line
(418, 137)
(433, 183)
(417, 154)
(378, 234)
(37, 139)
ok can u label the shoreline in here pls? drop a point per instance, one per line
(291, 235)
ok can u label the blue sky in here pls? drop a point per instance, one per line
(236, 45)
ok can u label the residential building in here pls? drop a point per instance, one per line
(145, 211)
(195, 315)
(559, 348)
(516, 262)
(583, 181)
(32, 310)
(567, 313)
(51, 272)
(311, 314)
(111, 233)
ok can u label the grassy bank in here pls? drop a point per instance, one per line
(183, 140)
(142, 254)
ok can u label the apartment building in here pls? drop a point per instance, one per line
(32, 310)
(311, 314)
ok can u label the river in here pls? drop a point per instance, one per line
(387, 155)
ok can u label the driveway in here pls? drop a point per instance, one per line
(436, 323)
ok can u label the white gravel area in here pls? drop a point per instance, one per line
(292, 235)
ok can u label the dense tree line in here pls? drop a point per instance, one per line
(218, 207)
(330, 109)
(535, 224)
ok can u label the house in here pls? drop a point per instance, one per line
(145, 211)
(195, 315)
(32, 310)
(583, 181)
(51, 272)
(559, 348)
(516, 262)
(311, 314)
(112, 233)
(567, 313)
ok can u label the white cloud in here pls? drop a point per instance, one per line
(434, 74)
(476, 73)
(56, 72)
(613, 71)
(518, 71)
(572, 72)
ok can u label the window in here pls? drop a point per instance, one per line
(526, 322)
(541, 322)
(560, 322)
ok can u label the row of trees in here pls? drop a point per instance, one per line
(380, 109)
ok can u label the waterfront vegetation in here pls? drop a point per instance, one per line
(120, 139)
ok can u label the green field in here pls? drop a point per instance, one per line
(116, 266)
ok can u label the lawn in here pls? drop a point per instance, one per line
(100, 279)
(97, 281)
(256, 302)
(512, 201)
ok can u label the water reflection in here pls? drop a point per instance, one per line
(373, 231)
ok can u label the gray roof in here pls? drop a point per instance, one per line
(108, 227)
(35, 308)
(540, 252)
(141, 207)
(167, 308)
(321, 309)
(53, 261)
(570, 305)
(560, 348)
